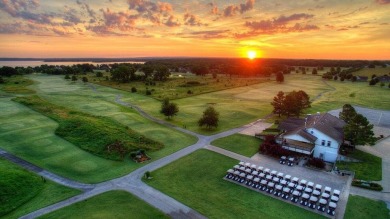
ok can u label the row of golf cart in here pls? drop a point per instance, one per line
(285, 186)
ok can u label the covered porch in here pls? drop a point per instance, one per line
(297, 146)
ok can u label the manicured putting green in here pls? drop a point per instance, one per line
(197, 181)
(114, 204)
(239, 143)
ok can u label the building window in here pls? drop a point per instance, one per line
(323, 142)
(329, 143)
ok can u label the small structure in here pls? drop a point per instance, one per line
(319, 135)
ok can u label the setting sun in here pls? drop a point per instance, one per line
(251, 54)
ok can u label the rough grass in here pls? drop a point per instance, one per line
(177, 85)
(361, 208)
(354, 93)
(368, 72)
(17, 85)
(17, 186)
(114, 204)
(369, 169)
(91, 133)
(197, 181)
(239, 143)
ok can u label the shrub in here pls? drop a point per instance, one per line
(133, 90)
(99, 74)
(367, 185)
(67, 76)
(316, 162)
(148, 92)
(270, 147)
(189, 92)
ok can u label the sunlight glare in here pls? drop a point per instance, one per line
(251, 54)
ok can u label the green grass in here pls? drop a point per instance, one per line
(17, 186)
(354, 93)
(31, 136)
(197, 181)
(361, 208)
(176, 86)
(239, 143)
(369, 169)
(23, 192)
(17, 85)
(368, 72)
(94, 134)
(114, 204)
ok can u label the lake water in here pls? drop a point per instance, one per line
(38, 63)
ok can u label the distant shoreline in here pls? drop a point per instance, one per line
(95, 60)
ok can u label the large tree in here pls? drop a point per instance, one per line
(277, 103)
(210, 118)
(292, 104)
(347, 113)
(169, 109)
(123, 73)
(279, 77)
(162, 73)
(358, 129)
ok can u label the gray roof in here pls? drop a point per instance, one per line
(325, 123)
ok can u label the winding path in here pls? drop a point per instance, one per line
(132, 182)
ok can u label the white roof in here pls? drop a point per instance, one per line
(278, 187)
(267, 170)
(337, 192)
(306, 196)
(263, 182)
(291, 185)
(328, 189)
(255, 172)
(260, 168)
(286, 189)
(287, 177)
(275, 179)
(295, 179)
(325, 195)
(283, 157)
(316, 192)
(271, 184)
(230, 171)
(300, 188)
(313, 199)
(242, 174)
(274, 172)
(249, 177)
(241, 163)
(248, 164)
(236, 166)
(280, 174)
(253, 166)
(256, 179)
(236, 172)
(261, 174)
(310, 184)
(318, 186)
(283, 182)
(332, 205)
(309, 190)
(323, 201)
(334, 198)
(248, 170)
(303, 181)
(268, 177)
(296, 193)
(242, 168)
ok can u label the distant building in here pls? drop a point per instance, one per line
(319, 135)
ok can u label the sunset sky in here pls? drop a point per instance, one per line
(325, 29)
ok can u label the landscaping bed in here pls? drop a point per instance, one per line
(367, 185)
